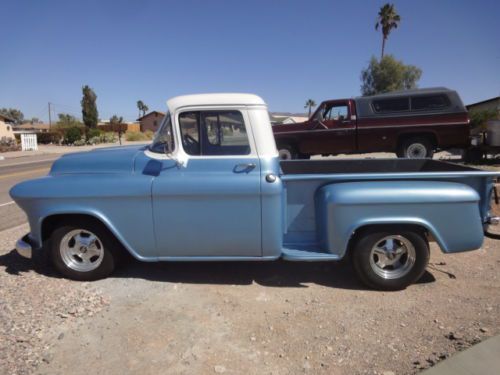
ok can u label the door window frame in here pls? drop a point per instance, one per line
(248, 128)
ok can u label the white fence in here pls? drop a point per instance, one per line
(29, 142)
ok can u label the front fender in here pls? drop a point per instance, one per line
(449, 211)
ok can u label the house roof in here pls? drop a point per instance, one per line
(213, 99)
(5, 118)
(483, 101)
(151, 113)
(28, 126)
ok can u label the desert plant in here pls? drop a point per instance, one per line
(388, 75)
(49, 137)
(71, 135)
(89, 107)
(149, 133)
(387, 19)
(136, 136)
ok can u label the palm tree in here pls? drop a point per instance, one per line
(387, 19)
(145, 108)
(310, 104)
(140, 106)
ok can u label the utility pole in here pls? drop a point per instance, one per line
(50, 119)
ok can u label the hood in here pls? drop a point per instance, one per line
(104, 160)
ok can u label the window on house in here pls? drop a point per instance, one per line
(155, 123)
(429, 102)
(214, 133)
(391, 105)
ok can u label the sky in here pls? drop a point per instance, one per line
(284, 51)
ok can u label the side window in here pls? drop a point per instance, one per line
(391, 105)
(337, 113)
(190, 132)
(429, 102)
(214, 133)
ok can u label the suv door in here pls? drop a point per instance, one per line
(210, 207)
(332, 130)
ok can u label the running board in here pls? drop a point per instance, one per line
(307, 256)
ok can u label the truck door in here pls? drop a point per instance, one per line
(334, 131)
(210, 206)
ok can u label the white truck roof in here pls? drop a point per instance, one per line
(214, 99)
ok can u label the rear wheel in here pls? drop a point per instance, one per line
(83, 250)
(390, 259)
(416, 148)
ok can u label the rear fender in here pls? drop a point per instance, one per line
(448, 211)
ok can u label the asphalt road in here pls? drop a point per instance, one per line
(13, 171)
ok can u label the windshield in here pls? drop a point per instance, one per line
(164, 138)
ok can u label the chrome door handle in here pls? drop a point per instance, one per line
(244, 167)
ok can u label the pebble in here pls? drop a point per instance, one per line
(61, 336)
(483, 330)
(219, 369)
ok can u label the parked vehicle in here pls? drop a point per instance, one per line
(411, 123)
(211, 187)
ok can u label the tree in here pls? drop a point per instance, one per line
(479, 118)
(14, 114)
(387, 20)
(89, 107)
(388, 75)
(118, 126)
(67, 121)
(142, 107)
(310, 104)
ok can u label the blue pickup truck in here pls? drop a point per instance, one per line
(210, 187)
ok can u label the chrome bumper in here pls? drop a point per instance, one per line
(493, 220)
(24, 248)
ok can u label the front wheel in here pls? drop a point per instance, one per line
(82, 250)
(390, 259)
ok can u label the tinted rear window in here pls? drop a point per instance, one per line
(429, 102)
(391, 105)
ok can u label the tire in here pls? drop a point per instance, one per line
(415, 148)
(83, 250)
(388, 270)
(287, 152)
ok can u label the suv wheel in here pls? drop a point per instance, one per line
(416, 148)
(287, 152)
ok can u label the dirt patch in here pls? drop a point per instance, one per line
(251, 318)
(36, 309)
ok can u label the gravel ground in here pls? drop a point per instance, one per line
(242, 318)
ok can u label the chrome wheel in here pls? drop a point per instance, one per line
(81, 250)
(392, 257)
(416, 151)
(285, 154)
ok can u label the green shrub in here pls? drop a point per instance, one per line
(108, 137)
(50, 137)
(136, 136)
(149, 133)
(93, 133)
(79, 142)
(71, 135)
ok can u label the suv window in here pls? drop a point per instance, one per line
(429, 102)
(336, 113)
(391, 105)
(214, 133)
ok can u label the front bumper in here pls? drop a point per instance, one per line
(24, 248)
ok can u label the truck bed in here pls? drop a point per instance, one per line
(360, 166)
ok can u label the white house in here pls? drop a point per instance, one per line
(6, 127)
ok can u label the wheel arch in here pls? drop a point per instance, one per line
(430, 135)
(423, 227)
(50, 222)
